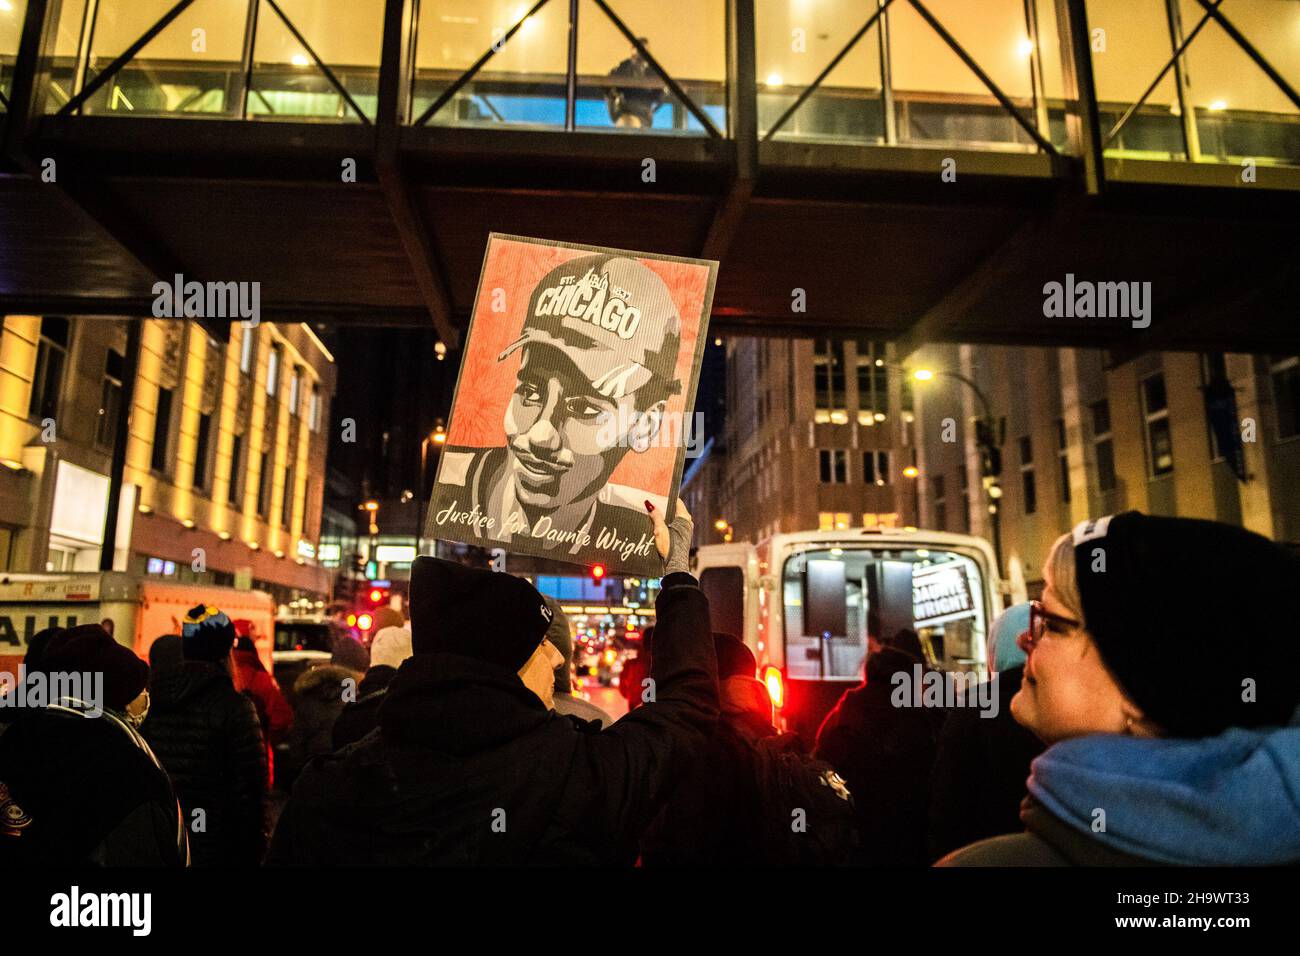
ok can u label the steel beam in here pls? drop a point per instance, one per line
(742, 116)
(414, 233)
(1082, 119)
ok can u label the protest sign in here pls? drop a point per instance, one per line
(573, 405)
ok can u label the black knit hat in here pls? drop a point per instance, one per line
(488, 615)
(87, 648)
(1191, 618)
(734, 658)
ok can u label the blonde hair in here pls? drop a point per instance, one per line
(1060, 575)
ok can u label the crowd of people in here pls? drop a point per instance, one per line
(1146, 713)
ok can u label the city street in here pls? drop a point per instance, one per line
(898, 401)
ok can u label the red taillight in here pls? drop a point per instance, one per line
(352, 620)
(376, 596)
(364, 622)
(775, 685)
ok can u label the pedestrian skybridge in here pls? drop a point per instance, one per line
(920, 169)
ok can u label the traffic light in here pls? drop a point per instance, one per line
(986, 438)
(598, 573)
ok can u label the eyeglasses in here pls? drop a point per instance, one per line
(1041, 621)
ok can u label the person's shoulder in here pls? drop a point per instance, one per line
(1011, 849)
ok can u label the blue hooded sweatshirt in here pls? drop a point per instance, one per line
(1230, 800)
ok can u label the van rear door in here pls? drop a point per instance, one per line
(728, 575)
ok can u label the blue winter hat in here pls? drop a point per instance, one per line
(1004, 648)
(206, 634)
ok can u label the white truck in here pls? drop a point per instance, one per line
(809, 603)
(140, 609)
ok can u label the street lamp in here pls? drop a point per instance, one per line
(372, 508)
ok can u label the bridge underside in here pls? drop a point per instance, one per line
(877, 241)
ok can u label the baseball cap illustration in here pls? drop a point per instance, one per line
(612, 316)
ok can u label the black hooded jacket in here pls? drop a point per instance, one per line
(207, 736)
(83, 793)
(980, 771)
(885, 754)
(469, 767)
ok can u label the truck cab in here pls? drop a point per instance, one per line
(812, 604)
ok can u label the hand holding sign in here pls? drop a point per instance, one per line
(673, 543)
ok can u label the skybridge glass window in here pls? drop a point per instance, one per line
(523, 78)
(314, 59)
(11, 22)
(1227, 109)
(900, 81)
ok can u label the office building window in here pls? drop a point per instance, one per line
(1284, 372)
(295, 383)
(1063, 457)
(236, 470)
(940, 502)
(1103, 446)
(875, 467)
(834, 520)
(1028, 485)
(263, 484)
(47, 378)
(273, 371)
(873, 383)
(162, 427)
(834, 466)
(110, 398)
(828, 375)
(286, 506)
(201, 444)
(313, 413)
(1155, 413)
(247, 350)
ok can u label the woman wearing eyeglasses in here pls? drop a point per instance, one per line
(1163, 673)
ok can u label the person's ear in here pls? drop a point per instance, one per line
(1136, 723)
(647, 426)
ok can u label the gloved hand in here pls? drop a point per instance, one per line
(673, 541)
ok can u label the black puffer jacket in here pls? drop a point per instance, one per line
(470, 767)
(207, 736)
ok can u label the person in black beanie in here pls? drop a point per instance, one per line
(472, 766)
(1161, 675)
(208, 737)
(78, 784)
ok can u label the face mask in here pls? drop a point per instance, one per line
(538, 672)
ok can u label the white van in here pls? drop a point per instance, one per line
(141, 609)
(808, 602)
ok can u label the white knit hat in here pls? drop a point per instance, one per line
(390, 646)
